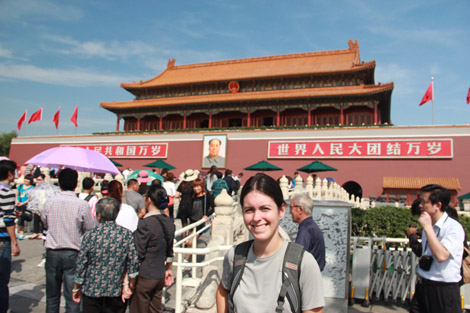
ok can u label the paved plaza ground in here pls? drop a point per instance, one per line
(28, 289)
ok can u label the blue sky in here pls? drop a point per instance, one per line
(68, 53)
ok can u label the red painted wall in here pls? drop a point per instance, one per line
(242, 153)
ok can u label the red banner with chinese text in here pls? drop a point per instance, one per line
(154, 150)
(362, 149)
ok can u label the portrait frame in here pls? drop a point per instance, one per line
(221, 159)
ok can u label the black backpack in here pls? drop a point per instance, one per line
(290, 275)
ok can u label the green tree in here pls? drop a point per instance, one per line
(5, 142)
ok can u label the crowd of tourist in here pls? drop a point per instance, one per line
(106, 250)
(112, 251)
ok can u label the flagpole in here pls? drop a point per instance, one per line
(432, 82)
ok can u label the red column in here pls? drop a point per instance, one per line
(117, 124)
(210, 119)
(160, 123)
(184, 121)
(309, 118)
(248, 120)
(341, 115)
(375, 114)
(138, 123)
(278, 117)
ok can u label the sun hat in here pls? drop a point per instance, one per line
(144, 177)
(189, 175)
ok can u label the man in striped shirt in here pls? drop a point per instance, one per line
(8, 243)
(66, 218)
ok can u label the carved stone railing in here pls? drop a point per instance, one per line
(321, 190)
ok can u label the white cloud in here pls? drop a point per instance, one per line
(4, 53)
(97, 48)
(75, 77)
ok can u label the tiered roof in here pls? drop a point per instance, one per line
(254, 96)
(334, 61)
(280, 66)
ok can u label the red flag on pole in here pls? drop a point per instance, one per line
(429, 95)
(468, 96)
(74, 116)
(55, 119)
(36, 116)
(21, 120)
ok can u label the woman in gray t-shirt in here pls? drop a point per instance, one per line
(258, 290)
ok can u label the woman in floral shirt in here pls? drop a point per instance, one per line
(106, 254)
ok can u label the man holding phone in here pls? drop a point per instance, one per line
(437, 287)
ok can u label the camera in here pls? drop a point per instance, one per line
(425, 262)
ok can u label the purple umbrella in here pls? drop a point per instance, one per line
(79, 159)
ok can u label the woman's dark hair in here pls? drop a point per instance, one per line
(157, 182)
(170, 176)
(265, 184)
(104, 187)
(115, 190)
(199, 182)
(158, 196)
(415, 207)
(213, 169)
(30, 178)
(108, 208)
(143, 188)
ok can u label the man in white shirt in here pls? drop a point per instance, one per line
(437, 287)
(88, 195)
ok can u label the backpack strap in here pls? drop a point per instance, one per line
(87, 198)
(239, 260)
(290, 278)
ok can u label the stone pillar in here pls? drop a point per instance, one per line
(309, 187)
(324, 189)
(299, 184)
(283, 184)
(108, 177)
(47, 172)
(317, 189)
(81, 176)
(120, 178)
(223, 222)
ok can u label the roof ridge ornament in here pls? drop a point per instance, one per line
(354, 47)
(171, 64)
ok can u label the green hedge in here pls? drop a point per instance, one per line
(388, 221)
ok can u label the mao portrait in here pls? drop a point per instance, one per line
(214, 151)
